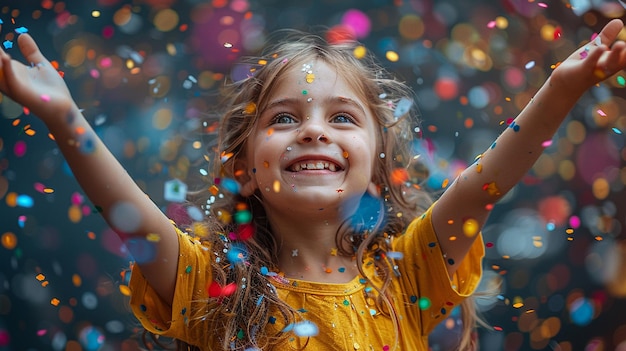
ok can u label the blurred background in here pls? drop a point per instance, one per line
(147, 74)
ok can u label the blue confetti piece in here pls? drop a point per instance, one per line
(25, 201)
(403, 107)
(21, 30)
(7, 44)
(617, 131)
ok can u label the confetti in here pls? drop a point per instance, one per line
(305, 329)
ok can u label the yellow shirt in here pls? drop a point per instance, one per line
(345, 314)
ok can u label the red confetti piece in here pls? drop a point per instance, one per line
(216, 290)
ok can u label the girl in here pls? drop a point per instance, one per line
(316, 241)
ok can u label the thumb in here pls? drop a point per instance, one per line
(29, 49)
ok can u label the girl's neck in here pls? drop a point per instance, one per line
(308, 249)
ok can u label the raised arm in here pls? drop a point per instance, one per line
(125, 207)
(468, 201)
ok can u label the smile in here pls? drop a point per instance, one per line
(314, 165)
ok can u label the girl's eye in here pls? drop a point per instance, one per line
(342, 118)
(283, 118)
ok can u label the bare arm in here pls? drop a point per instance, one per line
(124, 206)
(463, 209)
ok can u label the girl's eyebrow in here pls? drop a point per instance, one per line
(329, 100)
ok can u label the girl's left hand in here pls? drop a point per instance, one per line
(592, 63)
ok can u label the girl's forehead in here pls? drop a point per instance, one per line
(316, 76)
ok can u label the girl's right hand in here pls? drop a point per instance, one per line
(36, 85)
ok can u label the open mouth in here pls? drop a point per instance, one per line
(317, 165)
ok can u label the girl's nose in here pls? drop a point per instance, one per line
(313, 131)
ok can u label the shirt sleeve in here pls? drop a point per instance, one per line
(426, 286)
(183, 320)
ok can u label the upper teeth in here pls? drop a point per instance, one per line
(314, 165)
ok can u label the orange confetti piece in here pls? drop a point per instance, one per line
(9, 240)
(55, 301)
(76, 280)
(40, 277)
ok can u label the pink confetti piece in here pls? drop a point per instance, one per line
(491, 24)
(45, 98)
(39, 187)
(546, 143)
(574, 222)
(583, 54)
(601, 113)
(542, 4)
(106, 62)
(41, 332)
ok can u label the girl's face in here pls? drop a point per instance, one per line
(314, 145)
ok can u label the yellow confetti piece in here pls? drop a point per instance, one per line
(518, 302)
(55, 301)
(359, 52)
(310, 77)
(346, 154)
(392, 56)
(153, 237)
(491, 189)
(445, 182)
(224, 216)
(74, 214)
(479, 167)
(125, 290)
(276, 186)
(470, 227)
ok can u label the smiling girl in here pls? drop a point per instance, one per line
(325, 244)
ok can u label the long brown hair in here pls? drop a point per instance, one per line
(239, 321)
